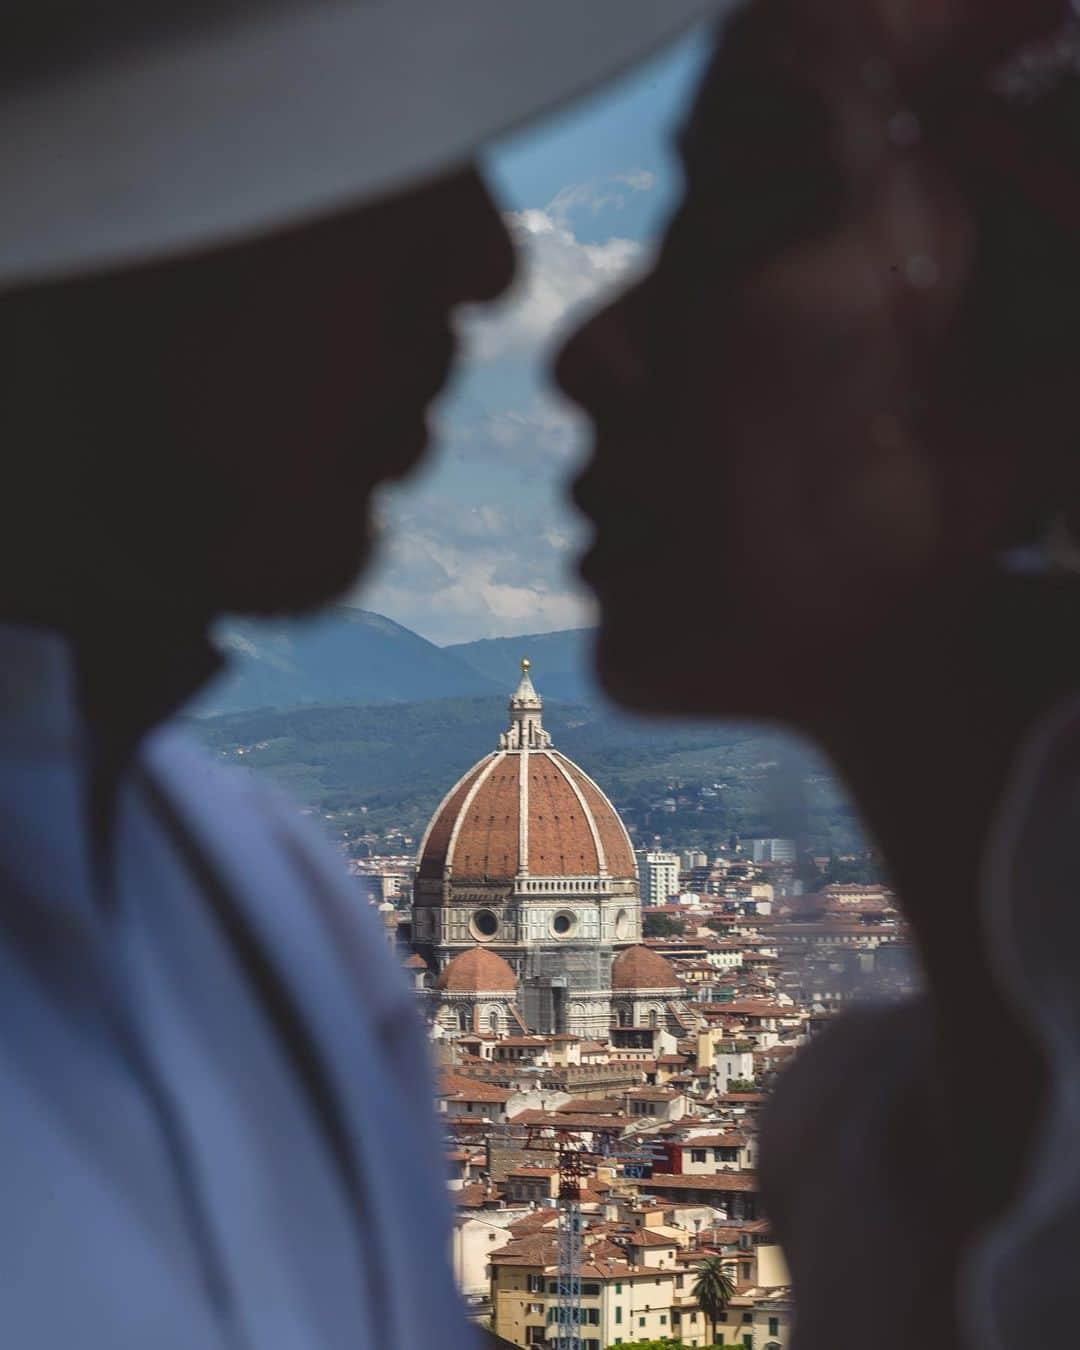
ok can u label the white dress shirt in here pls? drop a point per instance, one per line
(216, 1127)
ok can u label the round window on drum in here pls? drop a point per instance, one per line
(484, 925)
(564, 924)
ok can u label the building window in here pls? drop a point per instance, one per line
(535, 1284)
(564, 924)
(663, 1319)
(748, 1342)
(641, 1321)
(590, 1290)
(774, 1326)
(697, 1155)
(484, 924)
(744, 1270)
(748, 1317)
(618, 1288)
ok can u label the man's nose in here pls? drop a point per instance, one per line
(480, 253)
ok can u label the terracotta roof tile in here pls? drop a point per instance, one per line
(477, 970)
(639, 968)
(567, 813)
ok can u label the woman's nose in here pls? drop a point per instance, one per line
(603, 366)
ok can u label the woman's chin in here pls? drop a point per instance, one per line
(643, 673)
(635, 679)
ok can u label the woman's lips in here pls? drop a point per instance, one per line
(632, 534)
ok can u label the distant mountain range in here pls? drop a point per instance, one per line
(368, 724)
(358, 657)
(562, 662)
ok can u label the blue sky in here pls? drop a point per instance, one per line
(481, 542)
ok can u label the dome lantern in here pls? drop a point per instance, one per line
(526, 730)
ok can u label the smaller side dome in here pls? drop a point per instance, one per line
(479, 970)
(640, 968)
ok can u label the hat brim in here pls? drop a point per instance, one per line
(260, 124)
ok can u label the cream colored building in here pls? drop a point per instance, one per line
(645, 1295)
(620, 1303)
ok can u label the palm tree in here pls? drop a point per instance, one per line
(713, 1289)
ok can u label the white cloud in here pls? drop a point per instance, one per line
(600, 194)
(480, 571)
(559, 274)
(501, 566)
(547, 429)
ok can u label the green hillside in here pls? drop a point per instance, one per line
(378, 768)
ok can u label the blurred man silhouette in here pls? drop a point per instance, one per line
(223, 312)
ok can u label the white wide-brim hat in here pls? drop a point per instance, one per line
(130, 132)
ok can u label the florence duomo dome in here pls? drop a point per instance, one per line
(526, 858)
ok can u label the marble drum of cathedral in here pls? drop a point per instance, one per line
(526, 887)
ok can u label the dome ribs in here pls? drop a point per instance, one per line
(436, 843)
(521, 813)
(487, 838)
(561, 840)
(585, 814)
(614, 841)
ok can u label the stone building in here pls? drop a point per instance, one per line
(526, 858)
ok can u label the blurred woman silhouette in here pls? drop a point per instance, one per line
(838, 421)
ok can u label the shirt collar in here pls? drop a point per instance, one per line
(99, 691)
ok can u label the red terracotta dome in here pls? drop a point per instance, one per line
(526, 810)
(640, 968)
(479, 970)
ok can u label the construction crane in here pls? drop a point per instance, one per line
(572, 1159)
